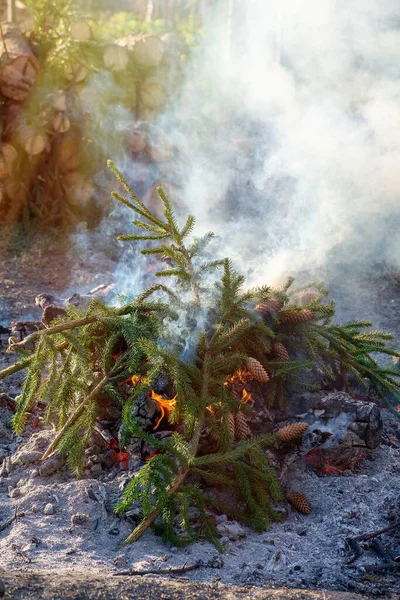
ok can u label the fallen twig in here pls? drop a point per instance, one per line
(370, 536)
(387, 567)
(170, 571)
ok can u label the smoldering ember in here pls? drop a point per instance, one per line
(199, 299)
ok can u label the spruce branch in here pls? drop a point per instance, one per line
(75, 415)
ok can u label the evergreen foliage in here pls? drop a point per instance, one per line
(76, 360)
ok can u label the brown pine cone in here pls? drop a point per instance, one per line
(299, 502)
(292, 431)
(242, 429)
(257, 370)
(279, 351)
(296, 317)
(230, 418)
(269, 307)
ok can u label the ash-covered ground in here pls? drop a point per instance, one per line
(69, 524)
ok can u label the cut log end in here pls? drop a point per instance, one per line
(80, 31)
(148, 51)
(116, 58)
(32, 140)
(18, 76)
(61, 123)
(153, 93)
(76, 72)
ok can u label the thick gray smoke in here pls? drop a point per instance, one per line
(287, 133)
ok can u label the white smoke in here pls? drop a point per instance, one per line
(287, 132)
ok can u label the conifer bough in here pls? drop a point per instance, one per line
(217, 332)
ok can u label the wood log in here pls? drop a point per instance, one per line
(8, 158)
(67, 151)
(78, 190)
(61, 123)
(147, 50)
(32, 139)
(18, 66)
(80, 31)
(3, 196)
(116, 58)
(13, 119)
(152, 93)
(60, 101)
(76, 72)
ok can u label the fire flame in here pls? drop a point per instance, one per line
(239, 377)
(166, 407)
(246, 397)
(135, 379)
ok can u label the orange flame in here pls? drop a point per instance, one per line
(135, 379)
(166, 407)
(246, 397)
(239, 377)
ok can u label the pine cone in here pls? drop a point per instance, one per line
(230, 418)
(257, 370)
(265, 309)
(242, 429)
(299, 502)
(297, 317)
(292, 431)
(279, 351)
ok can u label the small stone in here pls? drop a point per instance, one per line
(79, 519)
(14, 493)
(215, 563)
(96, 470)
(35, 508)
(49, 509)
(34, 473)
(71, 551)
(27, 457)
(232, 530)
(221, 519)
(114, 531)
(51, 465)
